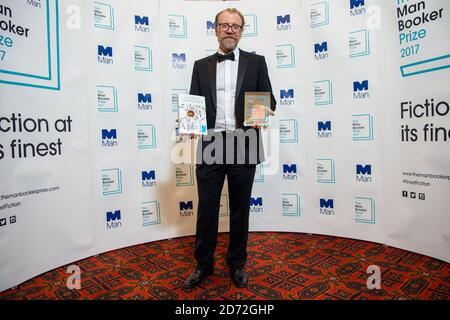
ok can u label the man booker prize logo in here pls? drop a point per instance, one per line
(113, 219)
(109, 138)
(326, 207)
(284, 23)
(144, 101)
(148, 179)
(141, 24)
(364, 173)
(288, 130)
(105, 55)
(321, 51)
(324, 130)
(361, 90)
(256, 205)
(287, 97)
(186, 208)
(179, 61)
(357, 7)
(290, 172)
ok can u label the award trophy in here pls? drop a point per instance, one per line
(257, 106)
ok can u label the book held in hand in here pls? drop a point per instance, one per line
(192, 114)
(257, 106)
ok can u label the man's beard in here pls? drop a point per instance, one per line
(229, 43)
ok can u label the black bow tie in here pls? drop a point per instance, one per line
(221, 57)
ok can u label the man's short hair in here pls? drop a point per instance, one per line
(230, 10)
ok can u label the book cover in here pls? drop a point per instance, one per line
(192, 114)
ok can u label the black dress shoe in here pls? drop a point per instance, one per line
(195, 278)
(239, 277)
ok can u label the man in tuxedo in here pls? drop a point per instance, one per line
(230, 149)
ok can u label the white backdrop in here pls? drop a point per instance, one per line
(341, 72)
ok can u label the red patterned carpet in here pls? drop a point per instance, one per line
(281, 266)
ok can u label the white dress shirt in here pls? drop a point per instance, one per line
(226, 78)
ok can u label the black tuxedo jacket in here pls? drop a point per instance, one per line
(252, 77)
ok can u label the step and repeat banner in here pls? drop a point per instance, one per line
(46, 208)
(89, 160)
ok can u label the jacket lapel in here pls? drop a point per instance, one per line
(212, 69)
(243, 63)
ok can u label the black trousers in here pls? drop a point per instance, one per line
(210, 180)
